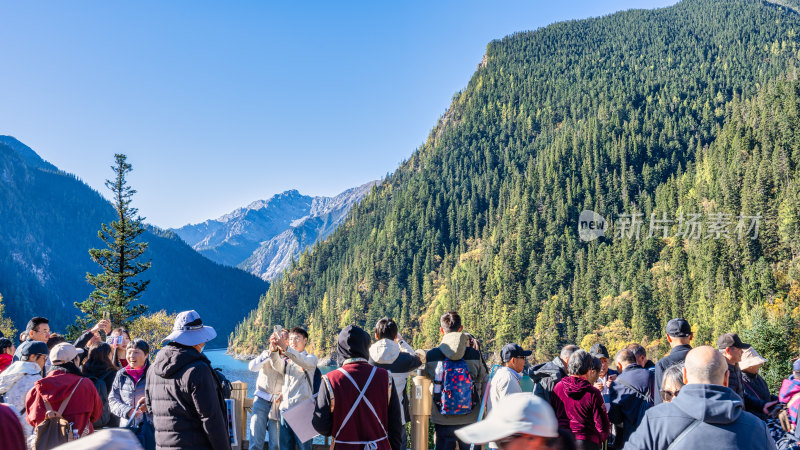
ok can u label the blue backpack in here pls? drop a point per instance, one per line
(457, 391)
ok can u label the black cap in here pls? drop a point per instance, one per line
(678, 328)
(31, 347)
(730, 340)
(513, 351)
(599, 351)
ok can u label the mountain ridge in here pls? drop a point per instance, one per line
(51, 219)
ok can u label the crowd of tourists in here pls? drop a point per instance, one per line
(102, 391)
(55, 391)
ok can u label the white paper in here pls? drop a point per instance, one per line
(299, 418)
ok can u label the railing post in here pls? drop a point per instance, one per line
(421, 401)
(242, 404)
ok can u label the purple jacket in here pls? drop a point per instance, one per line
(579, 408)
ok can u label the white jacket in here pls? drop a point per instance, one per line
(298, 376)
(15, 383)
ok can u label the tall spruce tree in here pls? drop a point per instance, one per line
(117, 286)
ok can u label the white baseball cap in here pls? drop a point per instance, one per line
(521, 413)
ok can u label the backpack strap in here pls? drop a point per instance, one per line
(646, 397)
(64, 404)
(683, 434)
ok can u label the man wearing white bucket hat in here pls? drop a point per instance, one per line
(182, 392)
(518, 421)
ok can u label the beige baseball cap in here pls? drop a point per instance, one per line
(64, 353)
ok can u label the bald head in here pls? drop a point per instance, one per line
(705, 365)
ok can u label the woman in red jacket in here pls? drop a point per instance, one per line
(578, 405)
(63, 380)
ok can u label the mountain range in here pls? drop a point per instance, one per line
(49, 221)
(646, 115)
(264, 237)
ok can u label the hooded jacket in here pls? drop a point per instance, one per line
(399, 359)
(546, 376)
(15, 383)
(83, 408)
(454, 347)
(579, 408)
(357, 422)
(722, 422)
(185, 398)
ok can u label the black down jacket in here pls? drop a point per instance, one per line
(185, 399)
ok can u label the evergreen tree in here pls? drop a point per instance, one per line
(117, 286)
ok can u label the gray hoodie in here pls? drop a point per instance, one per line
(722, 422)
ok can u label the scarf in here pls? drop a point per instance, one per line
(136, 374)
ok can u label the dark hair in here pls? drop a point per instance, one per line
(54, 340)
(580, 363)
(98, 359)
(140, 344)
(299, 330)
(625, 356)
(34, 323)
(5, 343)
(450, 322)
(122, 330)
(386, 328)
(637, 350)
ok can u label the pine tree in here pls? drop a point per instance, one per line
(117, 286)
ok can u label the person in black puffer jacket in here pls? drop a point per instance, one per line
(183, 394)
(99, 369)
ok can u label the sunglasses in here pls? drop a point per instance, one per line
(667, 396)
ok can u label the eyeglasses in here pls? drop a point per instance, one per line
(667, 396)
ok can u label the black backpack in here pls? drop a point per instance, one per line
(317, 381)
(224, 383)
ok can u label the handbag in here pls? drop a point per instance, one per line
(144, 431)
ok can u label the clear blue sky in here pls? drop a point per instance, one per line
(218, 104)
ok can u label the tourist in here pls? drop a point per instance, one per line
(264, 420)
(64, 388)
(732, 349)
(579, 405)
(545, 376)
(679, 335)
(98, 368)
(630, 395)
(392, 353)
(672, 382)
(707, 415)
(367, 412)
(38, 329)
(289, 356)
(19, 378)
(127, 399)
(442, 364)
(182, 392)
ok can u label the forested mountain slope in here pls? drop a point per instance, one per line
(670, 111)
